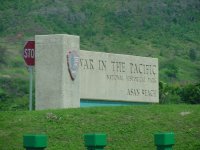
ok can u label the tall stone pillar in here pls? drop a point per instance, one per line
(54, 87)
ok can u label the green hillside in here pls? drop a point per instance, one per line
(166, 29)
(127, 128)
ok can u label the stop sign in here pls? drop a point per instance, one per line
(29, 53)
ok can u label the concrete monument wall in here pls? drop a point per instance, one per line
(106, 76)
(101, 76)
(53, 84)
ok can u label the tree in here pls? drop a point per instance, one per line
(192, 54)
(172, 71)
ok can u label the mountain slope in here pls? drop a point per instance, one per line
(167, 29)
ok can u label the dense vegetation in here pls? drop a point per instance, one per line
(166, 29)
(174, 94)
(127, 128)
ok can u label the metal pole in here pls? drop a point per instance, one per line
(30, 87)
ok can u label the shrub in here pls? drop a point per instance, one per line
(3, 95)
(191, 94)
(3, 53)
(176, 94)
(169, 94)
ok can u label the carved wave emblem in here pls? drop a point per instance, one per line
(73, 63)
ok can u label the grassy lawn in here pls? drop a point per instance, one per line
(127, 127)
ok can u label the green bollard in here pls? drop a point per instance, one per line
(35, 141)
(164, 141)
(95, 141)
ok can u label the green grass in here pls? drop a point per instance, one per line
(130, 127)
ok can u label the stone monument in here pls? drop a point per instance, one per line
(65, 74)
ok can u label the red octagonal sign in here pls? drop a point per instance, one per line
(29, 53)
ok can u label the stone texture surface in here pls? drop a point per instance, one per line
(53, 85)
(106, 76)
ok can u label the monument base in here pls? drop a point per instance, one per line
(99, 103)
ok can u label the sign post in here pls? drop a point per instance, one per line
(29, 57)
(30, 87)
